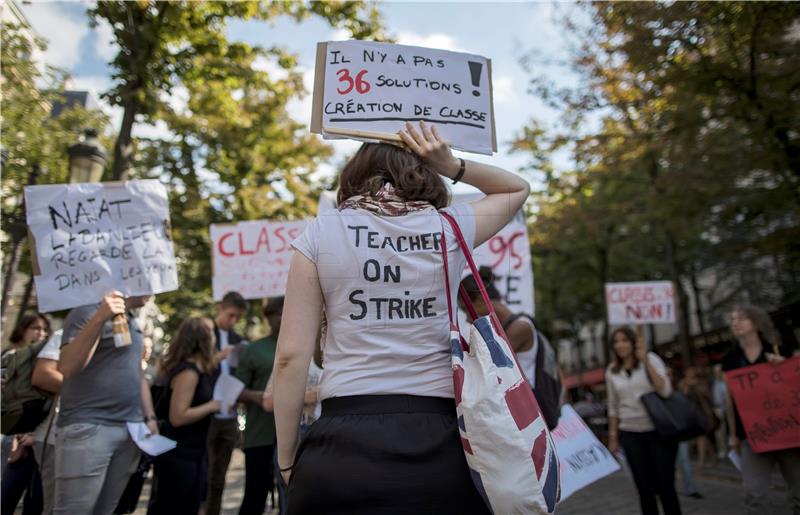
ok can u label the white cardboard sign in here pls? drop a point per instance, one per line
(582, 458)
(92, 238)
(253, 257)
(647, 302)
(377, 87)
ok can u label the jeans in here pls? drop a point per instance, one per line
(93, 465)
(223, 435)
(22, 479)
(757, 472)
(685, 465)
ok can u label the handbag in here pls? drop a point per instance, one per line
(507, 445)
(675, 416)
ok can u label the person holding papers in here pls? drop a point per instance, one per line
(103, 390)
(188, 364)
(223, 433)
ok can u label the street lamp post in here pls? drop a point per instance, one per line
(87, 158)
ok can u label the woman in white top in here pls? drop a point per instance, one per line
(387, 441)
(632, 373)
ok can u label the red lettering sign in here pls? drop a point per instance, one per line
(767, 397)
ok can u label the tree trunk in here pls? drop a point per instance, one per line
(123, 147)
(681, 301)
(698, 305)
(26, 300)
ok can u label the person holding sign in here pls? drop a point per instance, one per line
(186, 407)
(388, 439)
(104, 388)
(758, 342)
(634, 372)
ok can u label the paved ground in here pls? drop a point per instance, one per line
(613, 495)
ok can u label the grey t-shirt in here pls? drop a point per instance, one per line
(108, 391)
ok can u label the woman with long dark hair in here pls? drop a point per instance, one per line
(188, 364)
(632, 373)
(20, 472)
(757, 341)
(388, 440)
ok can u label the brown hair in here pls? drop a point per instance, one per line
(195, 339)
(27, 320)
(766, 330)
(375, 164)
(234, 299)
(487, 276)
(630, 334)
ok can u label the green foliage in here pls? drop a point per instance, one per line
(235, 153)
(683, 131)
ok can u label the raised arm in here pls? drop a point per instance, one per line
(77, 352)
(505, 192)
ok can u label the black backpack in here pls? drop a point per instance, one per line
(24, 406)
(547, 383)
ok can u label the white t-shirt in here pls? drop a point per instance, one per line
(624, 394)
(383, 286)
(51, 350)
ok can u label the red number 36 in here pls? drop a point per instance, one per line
(359, 83)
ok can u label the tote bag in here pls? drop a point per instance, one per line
(506, 442)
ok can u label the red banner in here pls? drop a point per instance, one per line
(768, 399)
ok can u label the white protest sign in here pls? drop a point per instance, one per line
(649, 302)
(253, 257)
(582, 458)
(376, 87)
(508, 253)
(96, 237)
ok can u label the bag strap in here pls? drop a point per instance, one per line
(473, 268)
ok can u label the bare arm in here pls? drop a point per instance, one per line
(77, 353)
(251, 396)
(520, 336)
(181, 411)
(46, 375)
(660, 383)
(613, 415)
(505, 191)
(733, 438)
(301, 318)
(267, 401)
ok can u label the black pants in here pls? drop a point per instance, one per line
(383, 455)
(258, 479)
(652, 463)
(22, 478)
(179, 485)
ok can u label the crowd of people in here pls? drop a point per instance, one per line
(382, 415)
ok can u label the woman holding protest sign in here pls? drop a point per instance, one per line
(388, 422)
(185, 410)
(634, 372)
(758, 342)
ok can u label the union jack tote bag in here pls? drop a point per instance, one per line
(508, 447)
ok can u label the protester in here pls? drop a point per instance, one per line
(47, 377)
(188, 365)
(21, 476)
(223, 433)
(388, 439)
(255, 370)
(758, 342)
(683, 461)
(632, 373)
(696, 388)
(719, 394)
(525, 340)
(103, 389)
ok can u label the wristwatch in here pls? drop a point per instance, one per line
(149, 418)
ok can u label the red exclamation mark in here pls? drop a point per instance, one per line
(475, 72)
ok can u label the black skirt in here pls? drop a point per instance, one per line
(383, 455)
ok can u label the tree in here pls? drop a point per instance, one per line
(681, 130)
(160, 41)
(34, 148)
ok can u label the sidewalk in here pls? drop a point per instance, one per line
(615, 494)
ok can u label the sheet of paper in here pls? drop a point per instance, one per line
(227, 390)
(149, 443)
(735, 459)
